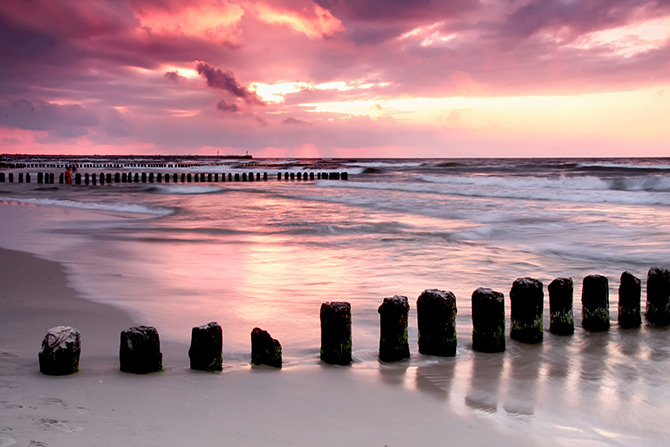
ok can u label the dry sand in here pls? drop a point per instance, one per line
(101, 406)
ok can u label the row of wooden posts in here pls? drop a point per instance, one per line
(151, 177)
(436, 312)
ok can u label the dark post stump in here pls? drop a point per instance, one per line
(189, 177)
(561, 315)
(2, 177)
(40, 177)
(658, 296)
(436, 315)
(151, 177)
(144, 177)
(86, 179)
(206, 351)
(286, 175)
(393, 343)
(140, 351)
(527, 302)
(60, 352)
(251, 176)
(230, 176)
(159, 177)
(345, 176)
(265, 176)
(265, 350)
(175, 177)
(488, 320)
(11, 177)
(311, 175)
(137, 177)
(278, 175)
(27, 177)
(117, 177)
(595, 303)
(77, 178)
(299, 175)
(630, 292)
(202, 177)
(237, 176)
(336, 333)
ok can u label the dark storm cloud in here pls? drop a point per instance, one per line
(62, 120)
(225, 80)
(227, 107)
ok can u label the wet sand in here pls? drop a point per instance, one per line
(101, 406)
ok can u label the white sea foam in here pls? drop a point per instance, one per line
(118, 207)
(188, 189)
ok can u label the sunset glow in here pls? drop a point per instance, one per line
(473, 78)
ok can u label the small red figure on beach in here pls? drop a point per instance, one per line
(68, 175)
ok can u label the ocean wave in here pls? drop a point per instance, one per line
(117, 207)
(623, 166)
(187, 189)
(576, 190)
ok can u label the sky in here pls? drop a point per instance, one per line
(336, 78)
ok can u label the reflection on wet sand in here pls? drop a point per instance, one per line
(522, 380)
(485, 377)
(436, 378)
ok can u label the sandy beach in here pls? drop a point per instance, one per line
(101, 406)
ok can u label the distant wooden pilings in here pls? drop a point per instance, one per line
(159, 177)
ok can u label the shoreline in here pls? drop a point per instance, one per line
(311, 405)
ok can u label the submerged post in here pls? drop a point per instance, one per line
(265, 350)
(140, 351)
(436, 316)
(206, 351)
(527, 302)
(595, 303)
(488, 320)
(561, 315)
(393, 343)
(336, 333)
(60, 351)
(658, 296)
(630, 292)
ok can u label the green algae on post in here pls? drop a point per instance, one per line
(630, 291)
(595, 303)
(527, 303)
(393, 342)
(658, 296)
(436, 316)
(561, 315)
(488, 320)
(336, 333)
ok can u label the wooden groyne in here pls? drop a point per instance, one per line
(436, 311)
(101, 178)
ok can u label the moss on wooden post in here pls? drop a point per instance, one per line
(436, 315)
(595, 303)
(488, 320)
(630, 292)
(336, 333)
(527, 302)
(658, 296)
(393, 342)
(561, 314)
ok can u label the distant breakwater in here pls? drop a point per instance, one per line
(101, 178)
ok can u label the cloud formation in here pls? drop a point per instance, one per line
(366, 71)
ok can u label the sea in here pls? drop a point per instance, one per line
(268, 253)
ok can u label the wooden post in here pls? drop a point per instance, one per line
(658, 296)
(630, 292)
(561, 315)
(527, 303)
(265, 350)
(436, 315)
(488, 320)
(393, 342)
(140, 351)
(206, 351)
(595, 303)
(336, 333)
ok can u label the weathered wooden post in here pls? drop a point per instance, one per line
(527, 303)
(658, 296)
(206, 351)
(436, 316)
(286, 175)
(311, 175)
(292, 175)
(159, 177)
(87, 179)
(393, 342)
(136, 177)
(117, 177)
(140, 351)
(251, 176)
(60, 351)
(40, 177)
(151, 177)
(299, 175)
(20, 177)
(561, 314)
(265, 350)
(265, 176)
(630, 293)
(336, 332)
(77, 178)
(595, 303)
(11, 177)
(209, 177)
(175, 177)
(27, 177)
(230, 176)
(2, 177)
(189, 178)
(345, 176)
(237, 176)
(144, 177)
(488, 320)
